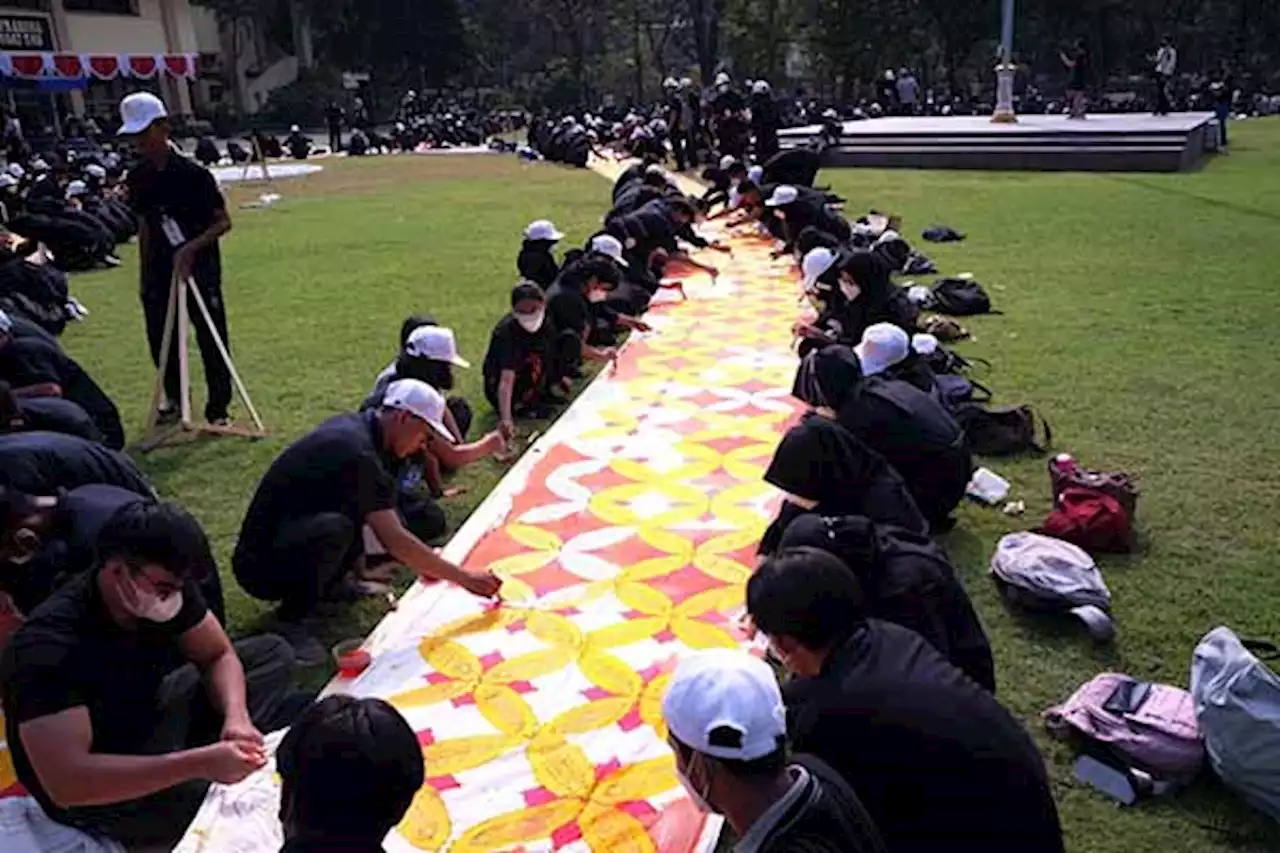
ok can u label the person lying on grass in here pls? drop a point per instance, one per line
(303, 540)
(124, 698)
(529, 361)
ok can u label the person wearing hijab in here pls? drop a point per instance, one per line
(907, 579)
(851, 289)
(912, 430)
(822, 467)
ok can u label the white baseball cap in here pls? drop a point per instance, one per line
(542, 229)
(883, 345)
(726, 161)
(7, 181)
(760, 87)
(77, 188)
(817, 262)
(924, 344)
(722, 78)
(726, 689)
(418, 399)
(755, 174)
(609, 246)
(295, 129)
(93, 170)
(17, 171)
(139, 111)
(436, 343)
(782, 196)
(6, 325)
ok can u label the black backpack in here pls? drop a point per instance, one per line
(960, 297)
(1003, 431)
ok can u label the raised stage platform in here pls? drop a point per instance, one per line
(1138, 142)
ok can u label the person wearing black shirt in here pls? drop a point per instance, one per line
(44, 414)
(349, 770)
(333, 115)
(802, 207)
(938, 762)
(824, 468)
(108, 724)
(535, 262)
(167, 187)
(764, 121)
(1076, 61)
(906, 579)
(35, 369)
(528, 359)
(304, 531)
(40, 463)
(914, 431)
(46, 540)
(727, 727)
(579, 301)
(1223, 92)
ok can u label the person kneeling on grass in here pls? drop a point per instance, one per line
(576, 303)
(349, 770)
(124, 697)
(536, 263)
(303, 540)
(45, 414)
(939, 763)
(728, 729)
(35, 368)
(48, 540)
(528, 360)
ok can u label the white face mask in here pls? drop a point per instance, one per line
(597, 296)
(531, 322)
(694, 794)
(147, 605)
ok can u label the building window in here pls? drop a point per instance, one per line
(106, 7)
(32, 5)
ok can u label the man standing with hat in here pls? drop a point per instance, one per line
(181, 217)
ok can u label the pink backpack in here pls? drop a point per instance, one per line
(1148, 727)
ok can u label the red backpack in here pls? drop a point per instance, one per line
(1090, 519)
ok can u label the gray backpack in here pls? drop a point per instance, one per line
(1042, 574)
(1237, 702)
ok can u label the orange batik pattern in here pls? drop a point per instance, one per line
(623, 543)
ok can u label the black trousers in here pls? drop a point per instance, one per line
(1164, 103)
(308, 557)
(679, 147)
(335, 138)
(155, 306)
(189, 720)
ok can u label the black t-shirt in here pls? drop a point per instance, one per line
(937, 761)
(187, 192)
(31, 361)
(822, 461)
(336, 468)
(69, 544)
(567, 308)
(41, 463)
(70, 653)
(899, 419)
(525, 353)
(536, 262)
(54, 414)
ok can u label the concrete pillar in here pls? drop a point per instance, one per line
(62, 42)
(177, 91)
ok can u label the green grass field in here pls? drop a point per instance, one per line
(1137, 318)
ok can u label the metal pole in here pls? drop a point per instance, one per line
(1005, 70)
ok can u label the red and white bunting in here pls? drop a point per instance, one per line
(33, 66)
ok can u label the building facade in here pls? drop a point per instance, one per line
(96, 51)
